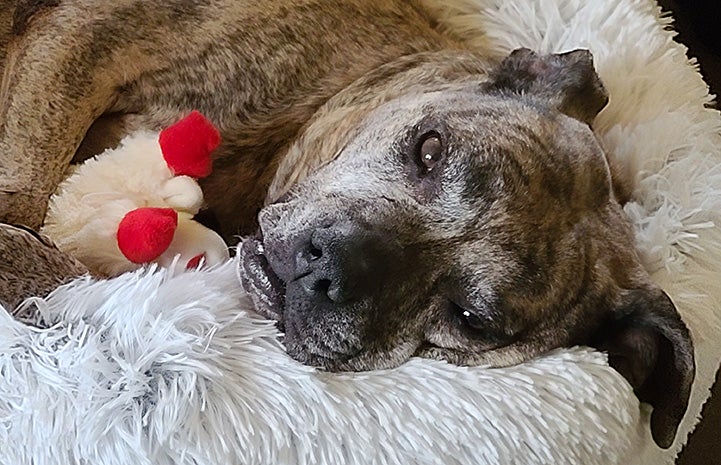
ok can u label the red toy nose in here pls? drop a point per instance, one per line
(145, 233)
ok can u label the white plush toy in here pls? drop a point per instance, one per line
(135, 204)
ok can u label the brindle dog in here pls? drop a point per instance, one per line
(418, 196)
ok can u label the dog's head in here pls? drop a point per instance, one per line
(477, 225)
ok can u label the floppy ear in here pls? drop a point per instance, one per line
(649, 344)
(567, 81)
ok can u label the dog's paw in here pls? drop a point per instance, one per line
(19, 207)
(31, 266)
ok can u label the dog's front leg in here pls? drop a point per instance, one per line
(32, 266)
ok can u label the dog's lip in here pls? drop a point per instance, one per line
(257, 277)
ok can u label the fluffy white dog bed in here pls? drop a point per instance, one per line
(151, 368)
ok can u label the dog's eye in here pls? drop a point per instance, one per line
(473, 321)
(482, 326)
(473, 324)
(430, 151)
(469, 319)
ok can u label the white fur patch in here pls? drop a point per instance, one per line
(156, 368)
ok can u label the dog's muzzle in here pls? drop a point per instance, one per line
(326, 268)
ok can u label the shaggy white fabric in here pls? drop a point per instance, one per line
(156, 368)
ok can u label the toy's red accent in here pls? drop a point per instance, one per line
(194, 263)
(145, 233)
(187, 145)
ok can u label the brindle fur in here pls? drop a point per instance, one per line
(322, 107)
(31, 266)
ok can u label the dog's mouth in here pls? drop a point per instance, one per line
(257, 277)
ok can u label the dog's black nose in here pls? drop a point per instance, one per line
(341, 263)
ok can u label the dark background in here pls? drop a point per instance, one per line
(698, 23)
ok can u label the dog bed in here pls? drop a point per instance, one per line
(161, 368)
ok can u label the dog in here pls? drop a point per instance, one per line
(405, 194)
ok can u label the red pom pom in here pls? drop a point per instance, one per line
(187, 145)
(145, 233)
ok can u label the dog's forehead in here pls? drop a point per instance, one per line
(474, 122)
(516, 144)
(468, 114)
(494, 144)
(412, 108)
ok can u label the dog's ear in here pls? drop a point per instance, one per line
(567, 81)
(648, 343)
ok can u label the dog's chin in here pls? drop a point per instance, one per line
(323, 358)
(326, 362)
(266, 289)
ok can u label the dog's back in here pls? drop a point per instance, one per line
(258, 70)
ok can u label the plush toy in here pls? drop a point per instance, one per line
(135, 204)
